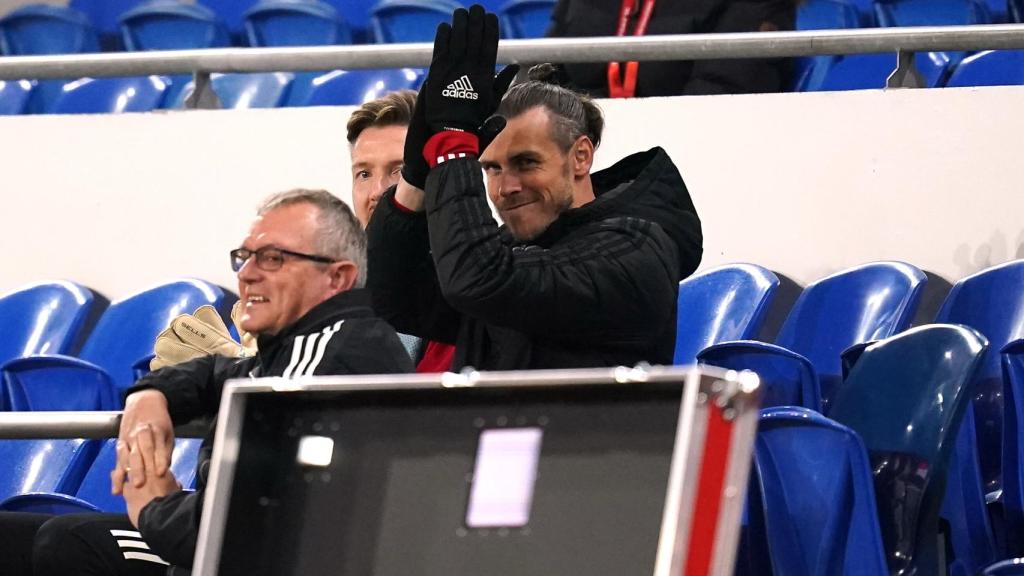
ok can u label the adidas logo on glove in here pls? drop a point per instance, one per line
(461, 88)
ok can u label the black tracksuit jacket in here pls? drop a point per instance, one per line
(339, 336)
(597, 288)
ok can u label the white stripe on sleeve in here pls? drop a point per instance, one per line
(145, 556)
(296, 354)
(307, 354)
(322, 347)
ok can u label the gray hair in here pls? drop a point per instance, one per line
(340, 236)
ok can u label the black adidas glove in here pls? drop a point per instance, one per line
(414, 166)
(461, 89)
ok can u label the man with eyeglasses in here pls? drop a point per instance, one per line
(300, 273)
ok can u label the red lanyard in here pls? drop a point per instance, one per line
(619, 87)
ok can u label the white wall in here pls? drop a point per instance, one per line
(805, 184)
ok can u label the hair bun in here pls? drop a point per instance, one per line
(549, 74)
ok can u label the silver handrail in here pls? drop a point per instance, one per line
(565, 50)
(22, 425)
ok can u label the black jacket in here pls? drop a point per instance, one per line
(597, 288)
(339, 336)
(576, 18)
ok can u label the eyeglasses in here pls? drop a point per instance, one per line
(270, 258)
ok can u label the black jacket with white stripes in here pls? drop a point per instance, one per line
(597, 288)
(339, 336)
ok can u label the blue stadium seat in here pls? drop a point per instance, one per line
(243, 91)
(906, 397)
(1013, 446)
(870, 71)
(724, 303)
(1011, 567)
(990, 68)
(43, 318)
(93, 493)
(124, 333)
(171, 25)
(525, 18)
(821, 15)
(39, 29)
(291, 23)
(818, 518)
(347, 87)
(44, 465)
(109, 95)
(860, 304)
(998, 10)
(409, 20)
(105, 14)
(231, 13)
(14, 96)
(357, 14)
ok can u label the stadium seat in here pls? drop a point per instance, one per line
(1011, 567)
(820, 518)
(109, 95)
(724, 303)
(171, 25)
(124, 333)
(409, 20)
(291, 23)
(357, 14)
(243, 91)
(347, 87)
(803, 367)
(105, 15)
(821, 15)
(93, 494)
(43, 318)
(232, 14)
(39, 29)
(44, 465)
(906, 397)
(997, 10)
(870, 71)
(525, 18)
(14, 95)
(1013, 446)
(990, 68)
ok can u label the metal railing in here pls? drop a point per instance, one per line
(22, 425)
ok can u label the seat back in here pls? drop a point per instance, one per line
(931, 12)
(347, 87)
(128, 328)
(990, 68)
(104, 14)
(231, 13)
(14, 96)
(906, 397)
(525, 18)
(44, 465)
(821, 15)
(40, 29)
(409, 20)
(859, 304)
(171, 25)
(720, 304)
(44, 318)
(290, 23)
(991, 302)
(817, 496)
(1013, 446)
(95, 486)
(242, 91)
(110, 95)
(58, 383)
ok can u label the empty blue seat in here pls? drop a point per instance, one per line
(347, 87)
(104, 14)
(990, 68)
(870, 71)
(93, 493)
(44, 465)
(14, 95)
(525, 18)
(724, 303)
(817, 497)
(997, 10)
(124, 334)
(1013, 446)
(291, 23)
(409, 20)
(243, 91)
(906, 397)
(39, 29)
(231, 13)
(43, 318)
(821, 15)
(171, 25)
(803, 367)
(109, 95)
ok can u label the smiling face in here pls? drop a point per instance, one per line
(376, 164)
(274, 300)
(530, 179)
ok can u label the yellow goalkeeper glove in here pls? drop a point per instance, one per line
(192, 336)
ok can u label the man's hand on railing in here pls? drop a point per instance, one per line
(146, 430)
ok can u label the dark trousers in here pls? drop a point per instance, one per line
(74, 545)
